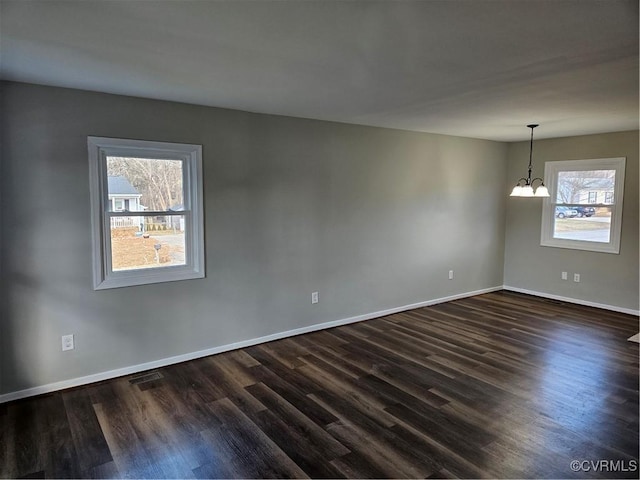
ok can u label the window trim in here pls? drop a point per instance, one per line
(551, 170)
(191, 156)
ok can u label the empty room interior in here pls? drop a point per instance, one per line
(319, 239)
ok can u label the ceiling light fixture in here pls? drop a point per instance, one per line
(526, 190)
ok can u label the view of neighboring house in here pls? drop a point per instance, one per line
(585, 188)
(598, 192)
(124, 197)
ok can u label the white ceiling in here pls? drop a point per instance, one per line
(474, 68)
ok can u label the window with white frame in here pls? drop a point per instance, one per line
(572, 216)
(146, 212)
(608, 197)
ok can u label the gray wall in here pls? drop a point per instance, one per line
(605, 278)
(371, 218)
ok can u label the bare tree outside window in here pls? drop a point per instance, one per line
(578, 187)
(159, 181)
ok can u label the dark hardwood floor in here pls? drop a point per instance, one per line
(498, 385)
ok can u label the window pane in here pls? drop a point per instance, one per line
(147, 242)
(585, 187)
(144, 184)
(588, 224)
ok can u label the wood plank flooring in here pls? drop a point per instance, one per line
(499, 385)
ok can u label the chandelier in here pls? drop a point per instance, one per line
(526, 189)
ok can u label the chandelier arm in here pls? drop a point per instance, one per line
(537, 178)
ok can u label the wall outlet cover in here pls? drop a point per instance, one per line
(67, 343)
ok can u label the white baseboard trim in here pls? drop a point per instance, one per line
(98, 377)
(578, 301)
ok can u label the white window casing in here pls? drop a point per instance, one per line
(550, 238)
(102, 211)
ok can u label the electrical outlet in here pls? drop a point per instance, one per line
(314, 297)
(450, 274)
(564, 275)
(576, 277)
(67, 343)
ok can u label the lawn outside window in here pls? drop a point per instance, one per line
(146, 212)
(584, 209)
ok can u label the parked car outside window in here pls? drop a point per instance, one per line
(585, 211)
(566, 212)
